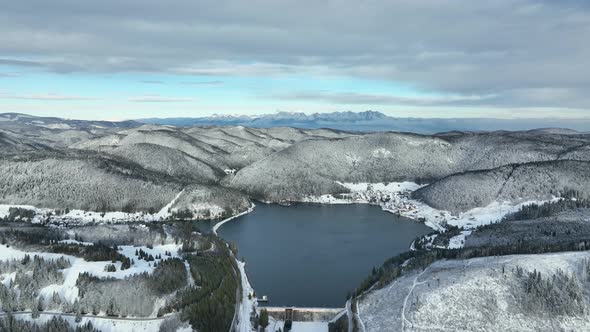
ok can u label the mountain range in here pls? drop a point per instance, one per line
(371, 121)
(102, 166)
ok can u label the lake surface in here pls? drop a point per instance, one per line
(313, 254)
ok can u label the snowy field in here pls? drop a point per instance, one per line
(84, 217)
(104, 324)
(68, 289)
(469, 295)
(274, 326)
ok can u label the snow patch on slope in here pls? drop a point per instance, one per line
(458, 241)
(84, 217)
(274, 325)
(468, 295)
(103, 324)
(163, 213)
(53, 125)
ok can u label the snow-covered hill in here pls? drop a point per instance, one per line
(485, 294)
(311, 167)
(513, 183)
(84, 181)
(58, 163)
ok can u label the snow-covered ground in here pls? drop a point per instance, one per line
(480, 294)
(274, 326)
(383, 187)
(70, 241)
(83, 217)
(68, 289)
(164, 212)
(395, 197)
(103, 324)
(458, 241)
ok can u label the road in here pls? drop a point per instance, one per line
(349, 315)
(414, 284)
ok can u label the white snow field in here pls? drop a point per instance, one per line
(104, 324)
(480, 294)
(83, 217)
(184, 200)
(274, 326)
(68, 289)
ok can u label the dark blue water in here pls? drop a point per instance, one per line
(313, 254)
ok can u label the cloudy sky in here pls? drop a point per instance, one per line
(115, 59)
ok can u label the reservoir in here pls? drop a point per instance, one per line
(311, 255)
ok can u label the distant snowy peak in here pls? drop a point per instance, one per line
(17, 119)
(372, 121)
(330, 117)
(336, 120)
(368, 121)
(230, 117)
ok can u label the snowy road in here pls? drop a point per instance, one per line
(247, 305)
(349, 315)
(414, 284)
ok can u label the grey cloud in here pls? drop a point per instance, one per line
(22, 63)
(350, 98)
(513, 49)
(515, 98)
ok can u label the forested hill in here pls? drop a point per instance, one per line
(311, 167)
(512, 183)
(58, 163)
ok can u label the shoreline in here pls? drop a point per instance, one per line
(219, 224)
(247, 305)
(399, 203)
